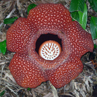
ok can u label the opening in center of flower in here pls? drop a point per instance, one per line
(49, 50)
(48, 46)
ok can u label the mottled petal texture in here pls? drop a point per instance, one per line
(26, 72)
(80, 40)
(67, 71)
(50, 16)
(47, 22)
(18, 35)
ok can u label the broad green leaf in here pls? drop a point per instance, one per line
(83, 17)
(75, 15)
(3, 47)
(76, 5)
(93, 27)
(2, 93)
(30, 7)
(95, 46)
(28, 89)
(10, 20)
(93, 4)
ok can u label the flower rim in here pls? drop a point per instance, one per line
(48, 64)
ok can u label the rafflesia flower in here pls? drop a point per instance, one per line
(48, 46)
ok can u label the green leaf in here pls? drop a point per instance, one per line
(75, 16)
(9, 20)
(2, 93)
(30, 7)
(93, 27)
(95, 46)
(83, 17)
(93, 4)
(76, 5)
(3, 47)
(28, 89)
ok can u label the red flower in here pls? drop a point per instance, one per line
(48, 46)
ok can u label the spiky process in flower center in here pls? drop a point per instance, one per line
(50, 50)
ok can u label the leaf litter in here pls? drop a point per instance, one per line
(82, 86)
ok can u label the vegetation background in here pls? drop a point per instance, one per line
(85, 85)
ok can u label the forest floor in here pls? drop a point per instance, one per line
(83, 86)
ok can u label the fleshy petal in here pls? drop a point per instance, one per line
(25, 72)
(49, 16)
(18, 35)
(66, 72)
(80, 40)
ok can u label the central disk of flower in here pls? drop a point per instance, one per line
(50, 50)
